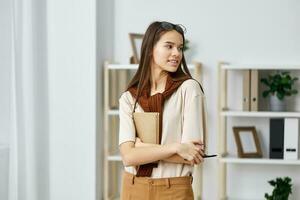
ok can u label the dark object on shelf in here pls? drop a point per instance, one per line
(276, 138)
(282, 189)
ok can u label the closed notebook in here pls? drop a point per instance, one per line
(147, 126)
(147, 129)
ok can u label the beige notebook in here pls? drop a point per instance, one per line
(147, 128)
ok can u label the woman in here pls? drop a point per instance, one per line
(162, 84)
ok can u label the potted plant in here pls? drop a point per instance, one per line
(186, 45)
(279, 86)
(187, 51)
(282, 189)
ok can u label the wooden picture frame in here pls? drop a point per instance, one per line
(241, 147)
(136, 43)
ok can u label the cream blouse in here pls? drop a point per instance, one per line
(184, 120)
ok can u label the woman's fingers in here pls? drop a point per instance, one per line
(197, 142)
(197, 159)
(192, 151)
(200, 147)
(190, 158)
(200, 150)
(200, 157)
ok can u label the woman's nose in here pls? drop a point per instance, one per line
(175, 51)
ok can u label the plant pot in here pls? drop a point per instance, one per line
(277, 104)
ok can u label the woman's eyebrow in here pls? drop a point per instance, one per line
(168, 42)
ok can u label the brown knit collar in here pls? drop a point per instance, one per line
(171, 86)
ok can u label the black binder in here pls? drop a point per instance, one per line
(276, 138)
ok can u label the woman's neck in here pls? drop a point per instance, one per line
(158, 80)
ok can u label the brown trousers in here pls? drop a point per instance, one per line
(144, 188)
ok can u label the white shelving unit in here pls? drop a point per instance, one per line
(225, 114)
(259, 161)
(259, 114)
(112, 159)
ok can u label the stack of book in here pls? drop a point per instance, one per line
(284, 138)
(250, 90)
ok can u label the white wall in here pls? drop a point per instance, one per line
(3, 173)
(72, 98)
(252, 32)
(5, 63)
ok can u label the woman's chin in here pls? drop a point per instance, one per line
(171, 68)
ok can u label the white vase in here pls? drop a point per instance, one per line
(277, 104)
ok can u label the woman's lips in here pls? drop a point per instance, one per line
(173, 62)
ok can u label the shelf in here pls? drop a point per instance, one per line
(260, 67)
(119, 66)
(226, 73)
(115, 157)
(235, 160)
(134, 66)
(238, 198)
(259, 114)
(113, 112)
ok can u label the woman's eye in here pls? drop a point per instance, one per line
(169, 46)
(180, 48)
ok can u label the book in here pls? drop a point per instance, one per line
(254, 90)
(147, 129)
(291, 139)
(246, 90)
(147, 126)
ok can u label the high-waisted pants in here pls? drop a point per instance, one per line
(145, 188)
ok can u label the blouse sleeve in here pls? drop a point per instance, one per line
(126, 128)
(194, 114)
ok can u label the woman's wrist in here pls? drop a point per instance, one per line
(173, 147)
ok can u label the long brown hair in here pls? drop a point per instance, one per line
(152, 35)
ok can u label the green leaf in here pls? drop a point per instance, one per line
(265, 81)
(272, 182)
(280, 95)
(284, 81)
(266, 93)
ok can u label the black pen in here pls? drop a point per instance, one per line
(209, 156)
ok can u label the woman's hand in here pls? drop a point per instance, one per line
(191, 151)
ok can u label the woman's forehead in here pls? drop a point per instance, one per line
(171, 36)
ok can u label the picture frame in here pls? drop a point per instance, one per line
(248, 145)
(136, 43)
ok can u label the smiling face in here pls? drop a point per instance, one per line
(167, 52)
